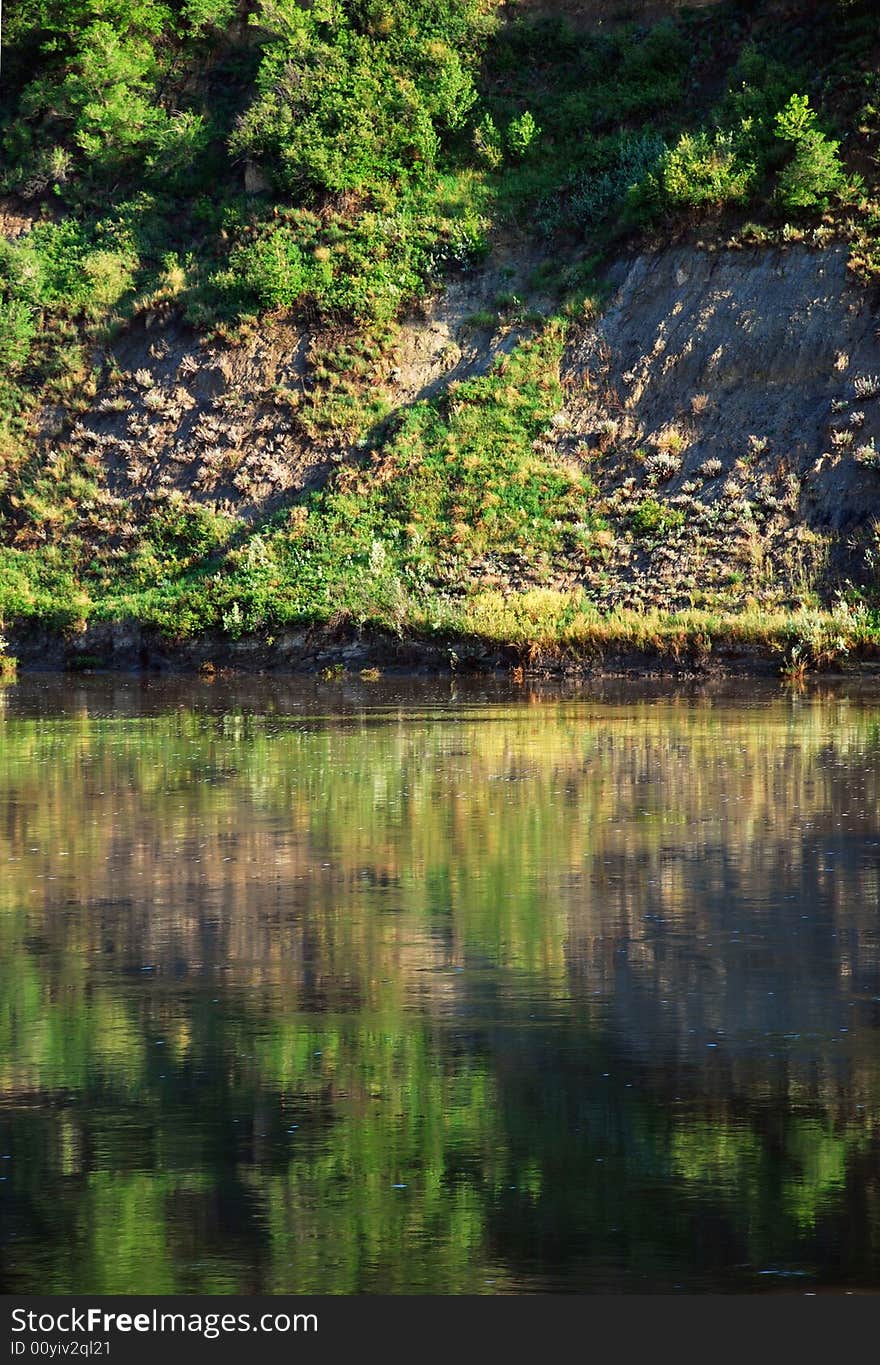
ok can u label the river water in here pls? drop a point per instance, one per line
(438, 987)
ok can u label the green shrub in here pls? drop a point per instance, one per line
(653, 520)
(365, 101)
(73, 269)
(758, 86)
(815, 174)
(338, 121)
(201, 15)
(99, 94)
(591, 197)
(487, 142)
(522, 133)
(274, 270)
(39, 586)
(705, 168)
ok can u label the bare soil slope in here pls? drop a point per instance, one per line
(739, 387)
(734, 388)
(736, 355)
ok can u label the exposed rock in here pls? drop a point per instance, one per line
(255, 179)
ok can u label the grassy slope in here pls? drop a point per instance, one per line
(627, 133)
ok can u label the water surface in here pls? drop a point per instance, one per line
(373, 988)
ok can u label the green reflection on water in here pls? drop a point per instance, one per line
(565, 996)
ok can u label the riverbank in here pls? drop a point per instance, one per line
(640, 432)
(526, 638)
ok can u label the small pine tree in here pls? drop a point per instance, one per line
(815, 174)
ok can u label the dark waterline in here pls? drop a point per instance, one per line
(438, 987)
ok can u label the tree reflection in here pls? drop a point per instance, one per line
(557, 996)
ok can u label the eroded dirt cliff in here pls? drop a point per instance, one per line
(725, 405)
(740, 388)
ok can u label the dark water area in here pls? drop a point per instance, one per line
(438, 987)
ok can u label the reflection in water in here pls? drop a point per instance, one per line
(317, 992)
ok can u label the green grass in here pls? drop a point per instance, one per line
(547, 625)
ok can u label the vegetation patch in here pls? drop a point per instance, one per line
(323, 167)
(454, 480)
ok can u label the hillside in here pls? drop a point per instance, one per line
(440, 332)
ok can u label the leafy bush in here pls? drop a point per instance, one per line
(487, 142)
(73, 270)
(19, 290)
(654, 520)
(705, 168)
(522, 132)
(96, 95)
(814, 175)
(274, 270)
(588, 198)
(338, 121)
(363, 102)
(758, 86)
(202, 15)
